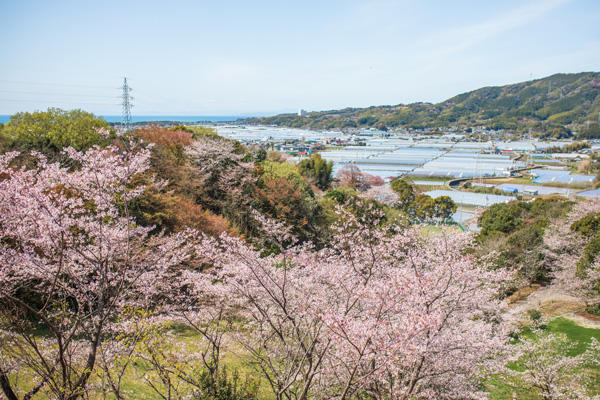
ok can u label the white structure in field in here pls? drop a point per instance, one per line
(301, 113)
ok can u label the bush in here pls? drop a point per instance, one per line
(588, 225)
(222, 386)
(593, 309)
(503, 218)
(590, 252)
(534, 315)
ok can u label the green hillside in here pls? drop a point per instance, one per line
(555, 106)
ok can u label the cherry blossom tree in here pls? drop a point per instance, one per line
(383, 194)
(226, 178)
(381, 313)
(564, 248)
(351, 176)
(71, 260)
(407, 316)
(546, 366)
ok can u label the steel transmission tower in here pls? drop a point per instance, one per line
(127, 103)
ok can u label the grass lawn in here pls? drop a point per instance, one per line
(574, 332)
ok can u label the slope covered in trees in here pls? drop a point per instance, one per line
(176, 264)
(554, 106)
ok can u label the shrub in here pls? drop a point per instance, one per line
(594, 309)
(223, 386)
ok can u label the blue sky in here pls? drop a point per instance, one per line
(247, 57)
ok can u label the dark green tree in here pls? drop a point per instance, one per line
(405, 191)
(443, 208)
(317, 169)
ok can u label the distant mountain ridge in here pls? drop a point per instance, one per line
(554, 106)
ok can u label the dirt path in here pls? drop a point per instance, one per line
(553, 302)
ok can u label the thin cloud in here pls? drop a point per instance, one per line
(459, 39)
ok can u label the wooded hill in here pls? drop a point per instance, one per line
(556, 106)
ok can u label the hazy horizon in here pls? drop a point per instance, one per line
(238, 59)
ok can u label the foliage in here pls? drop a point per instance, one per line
(406, 193)
(593, 309)
(564, 247)
(175, 208)
(421, 207)
(427, 209)
(591, 132)
(199, 131)
(568, 148)
(52, 130)
(341, 194)
(515, 232)
(361, 204)
(588, 226)
(590, 253)
(501, 217)
(225, 386)
(317, 169)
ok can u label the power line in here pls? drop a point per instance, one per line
(59, 94)
(56, 84)
(54, 101)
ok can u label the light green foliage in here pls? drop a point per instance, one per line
(52, 130)
(198, 131)
(503, 218)
(588, 225)
(280, 169)
(591, 132)
(4, 142)
(317, 169)
(342, 194)
(443, 208)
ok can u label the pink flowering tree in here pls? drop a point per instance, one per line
(381, 313)
(563, 249)
(407, 317)
(382, 193)
(350, 175)
(547, 366)
(71, 260)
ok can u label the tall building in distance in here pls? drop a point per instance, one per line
(301, 113)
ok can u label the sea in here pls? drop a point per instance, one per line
(156, 118)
